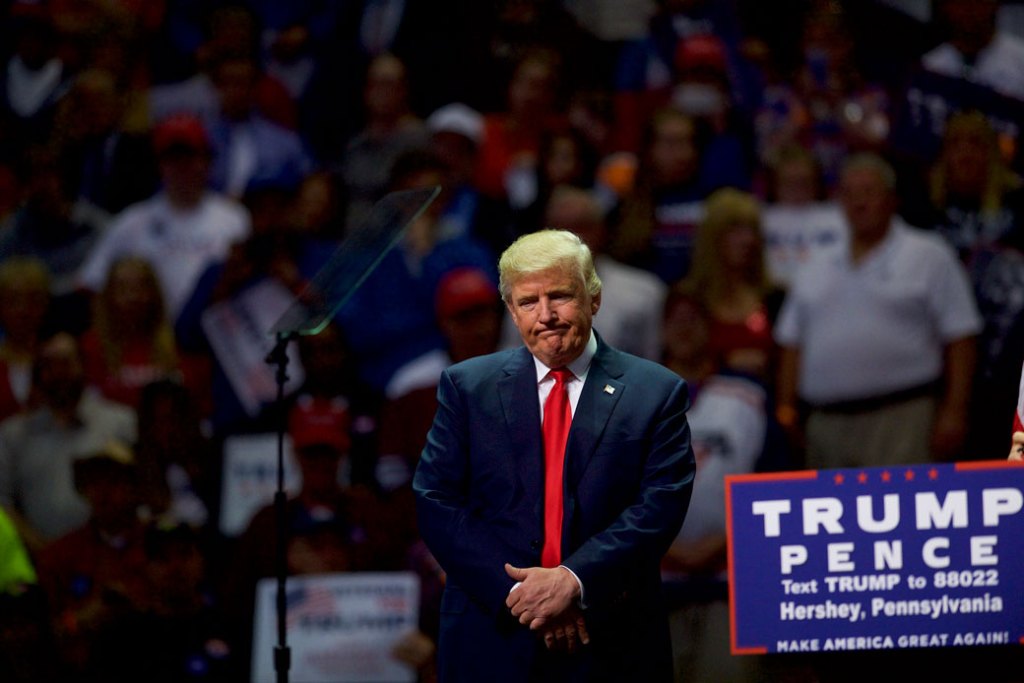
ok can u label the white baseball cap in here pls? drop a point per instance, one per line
(457, 118)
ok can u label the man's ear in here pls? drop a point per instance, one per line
(595, 303)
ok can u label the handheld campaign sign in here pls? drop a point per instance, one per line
(876, 558)
(236, 330)
(250, 478)
(343, 627)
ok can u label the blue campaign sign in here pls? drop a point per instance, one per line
(876, 558)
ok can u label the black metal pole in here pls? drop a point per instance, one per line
(282, 653)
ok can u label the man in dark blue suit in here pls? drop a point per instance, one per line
(551, 544)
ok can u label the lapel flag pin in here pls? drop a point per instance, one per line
(609, 389)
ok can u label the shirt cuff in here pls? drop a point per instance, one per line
(580, 601)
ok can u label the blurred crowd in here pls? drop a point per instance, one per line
(809, 209)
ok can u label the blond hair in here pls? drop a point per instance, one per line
(16, 270)
(1000, 177)
(723, 210)
(545, 250)
(110, 329)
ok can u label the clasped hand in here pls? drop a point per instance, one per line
(544, 601)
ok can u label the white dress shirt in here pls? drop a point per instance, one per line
(574, 387)
(579, 369)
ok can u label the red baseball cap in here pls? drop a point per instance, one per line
(318, 421)
(183, 131)
(463, 289)
(701, 51)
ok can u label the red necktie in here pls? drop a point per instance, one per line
(557, 418)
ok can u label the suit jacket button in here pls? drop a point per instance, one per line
(534, 545)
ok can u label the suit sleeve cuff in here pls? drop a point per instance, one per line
(580, 601)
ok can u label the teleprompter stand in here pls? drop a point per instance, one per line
(357, 256)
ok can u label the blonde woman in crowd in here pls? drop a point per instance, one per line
(24, 300)
(975, 197)
(729, 277)
(131, 343)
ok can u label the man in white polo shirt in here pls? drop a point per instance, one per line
(878, 342)
(180, 230)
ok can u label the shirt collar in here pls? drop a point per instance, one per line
(578, 367)
(880, 252)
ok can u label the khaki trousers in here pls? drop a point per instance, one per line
(897, 434)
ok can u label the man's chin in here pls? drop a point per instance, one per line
(556, 355)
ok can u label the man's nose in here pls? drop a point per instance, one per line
(546, 312)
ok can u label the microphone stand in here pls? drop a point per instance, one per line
(278, 357)
(353, 261)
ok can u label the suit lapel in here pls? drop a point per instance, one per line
(517, 391)
(601, 393)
